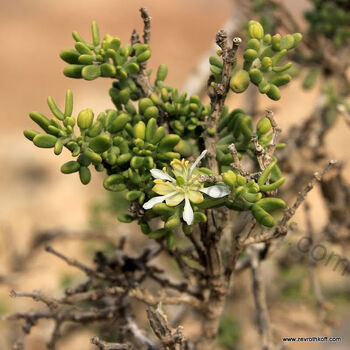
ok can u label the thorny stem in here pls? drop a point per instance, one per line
(141, 78)
(147, 25)
(211, 232)
(218, 94)
(171, 339)
(236, 162)
(276, 131)
(281, 229)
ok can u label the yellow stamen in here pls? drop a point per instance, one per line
(164, 170)
(158, 181)
(187, 162)
(178, 188)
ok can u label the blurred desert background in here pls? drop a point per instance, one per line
(35, 196)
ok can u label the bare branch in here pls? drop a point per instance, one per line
(147, 25)
(236, 162)
(110, 346)
(262, 313)
(73, 262)
(169, 337)
(276, 131)
(150, 299)
(135, 38)
(196, 83)
(51, 303)
(218, 94)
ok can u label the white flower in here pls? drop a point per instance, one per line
(185, 186)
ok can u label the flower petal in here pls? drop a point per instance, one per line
(159, 174)
(216, 191)
(156, 200)
(188, 212)
(164, 188)
(178, 168)
(196, 162)
(176, 199)
(195, 196)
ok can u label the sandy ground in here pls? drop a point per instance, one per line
(34, 194)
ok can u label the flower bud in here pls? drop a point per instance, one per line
(267, 39)
(255, 30)
(255, 76)
(229, 178)
(239, 81)
(250, 55)
(85, 118)
(263, 126)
